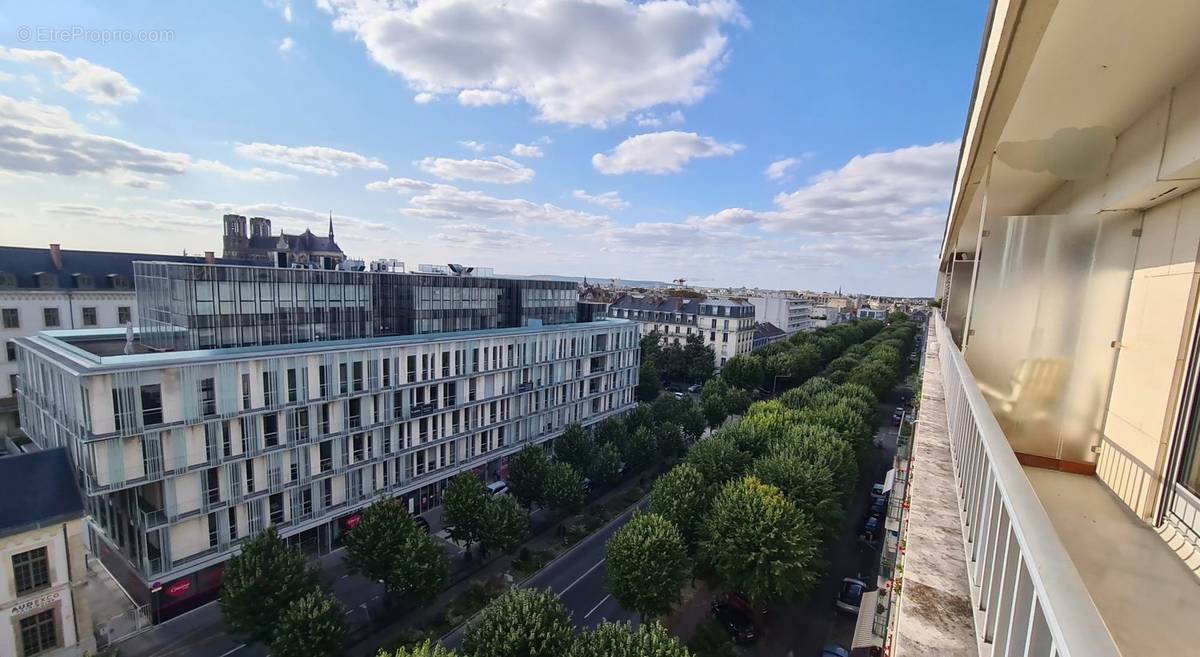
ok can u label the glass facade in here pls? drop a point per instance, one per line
(187, 306)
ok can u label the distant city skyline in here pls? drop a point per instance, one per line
(780, 145)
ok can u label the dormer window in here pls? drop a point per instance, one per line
(118, 281)
(8, 280)
(85, 281)
(46, 280)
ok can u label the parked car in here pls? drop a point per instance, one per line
(737, 623)
(877, 490)
(878, 507)
(850, 595)
(742, 603)
(694, 388)
(897, 416)
(834, 651)
(679, 395)
(870, 529)
(498, 488)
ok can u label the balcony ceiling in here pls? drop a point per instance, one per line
(1098, 66)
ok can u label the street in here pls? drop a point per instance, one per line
(577, 577)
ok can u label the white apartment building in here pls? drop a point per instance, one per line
(42, 562)
(257, 396)
(824, 316)
(55, 288)
(790, 313)
(1051, 501)
(725, 324)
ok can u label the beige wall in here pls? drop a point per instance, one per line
(64, 595)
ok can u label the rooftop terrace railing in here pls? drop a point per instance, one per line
(1026, 594)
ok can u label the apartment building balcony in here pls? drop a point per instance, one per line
(1005, 559)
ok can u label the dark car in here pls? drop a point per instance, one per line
(850, 595)
(834, 651)
(740, 625)
(878, 507)
(870, 529)
(897, 417)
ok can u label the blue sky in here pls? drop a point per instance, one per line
(798, 145)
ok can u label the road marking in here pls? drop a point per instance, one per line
(580, 578)
(230, 652)
(602, 601)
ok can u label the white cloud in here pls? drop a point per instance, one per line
(43, 139)
(441, 202)
(98, 84)
(610, 200)
(423, 98)
(660, 152)
(284, 7)
(104, 117)
(499, 169)
(653, 120)
(483, 97)
(472, 145)
(479, 236)
(286, 45)
(778, 169)
(320, 160)
(527, 150)
(253, 174)
(575, 61)
(7, 77)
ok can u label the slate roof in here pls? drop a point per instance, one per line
(658, 303)
(767, 330)
(37, 489)
(26, 262)
(305, 242)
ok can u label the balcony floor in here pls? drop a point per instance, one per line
(1147, 596)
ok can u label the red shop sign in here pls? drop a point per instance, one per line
(179, 587)
(353, 521)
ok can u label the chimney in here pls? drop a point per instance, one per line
(56, 256)
(209, 258)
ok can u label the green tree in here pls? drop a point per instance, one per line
(647, 564)
(260, 583)
(669, 440)
(527, 475)
(681, 496)
(575, 448)
(504, 525)
(521, 623)
(312, 626)
(426, 649)
(637, 448)
(845, 421)
(744, 371)
(387, 545)
(610, 430)
(758, 542)
(563, 489)
(621, 640)
(718, 459)
(714, 410)
(737, 401)
(700, 360)
(650, 345)
(821, 446)
(810, 486)
(606, 467)
(649, 382)
(462, 508)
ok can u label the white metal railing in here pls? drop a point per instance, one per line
(1026, 594)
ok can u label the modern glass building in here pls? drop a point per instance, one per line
(256, 396)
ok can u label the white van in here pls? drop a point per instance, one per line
(498, 488)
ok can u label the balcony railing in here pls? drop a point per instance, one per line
(1027, 596)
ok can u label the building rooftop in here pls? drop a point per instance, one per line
(104, 270)
(37, 489)
(98, 350)
(767, 330)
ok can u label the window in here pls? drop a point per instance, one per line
(50, 317)
(124, 316)
(291, 385)
(269, 388)
(213, 530)
(245, 392)
(152, 404)
(249, 476)
(89, 315)
(38, 633)
(233, 523)
(31, 570)
(270, 423)
(208, 397)
(11, 318)
(10, 351)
